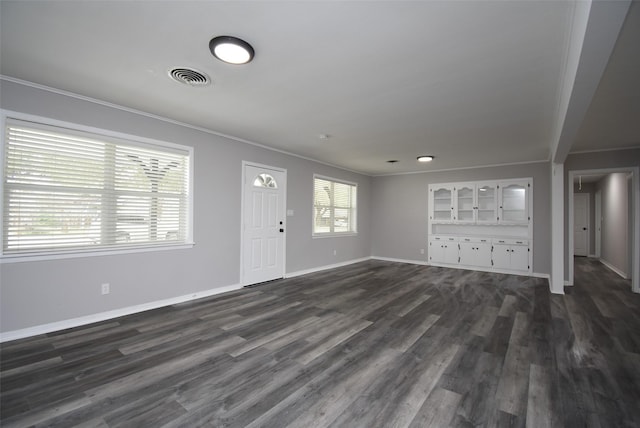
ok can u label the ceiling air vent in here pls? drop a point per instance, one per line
(189, 76)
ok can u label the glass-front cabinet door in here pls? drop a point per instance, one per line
(442, 203)
(514, 202)
(466, 203)
(487, 203)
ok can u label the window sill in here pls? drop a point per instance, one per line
(76, 254)
(333, 235)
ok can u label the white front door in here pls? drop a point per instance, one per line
(580, 224)
(263, 227)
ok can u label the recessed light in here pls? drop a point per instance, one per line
(425, 158)
(231, 49)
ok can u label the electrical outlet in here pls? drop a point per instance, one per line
(105, 288)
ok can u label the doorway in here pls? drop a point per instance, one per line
(633, 231)
(581, 224)
(263, 228)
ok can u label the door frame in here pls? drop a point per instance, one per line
(597, 223)
(246, 164)
(635, 233)
(588, 197)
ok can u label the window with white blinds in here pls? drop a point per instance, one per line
(71, 191)
(334, 206)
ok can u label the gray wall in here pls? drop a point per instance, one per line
(589, 188)
(399, 203)
(36, 293)
(588, 161)
(615, 221)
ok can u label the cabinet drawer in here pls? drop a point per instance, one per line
(443, 238)
(511, 241)
(476, 240)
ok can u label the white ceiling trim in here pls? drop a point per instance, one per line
(463, 168)
(577, 152)
(167, 120)
(241, 140)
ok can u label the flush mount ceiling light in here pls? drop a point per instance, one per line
(425, 158)
(231, 49)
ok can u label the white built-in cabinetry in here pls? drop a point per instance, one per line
(483, 225)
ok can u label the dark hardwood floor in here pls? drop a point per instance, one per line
(374, 344)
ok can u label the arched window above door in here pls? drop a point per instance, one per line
(265, 180)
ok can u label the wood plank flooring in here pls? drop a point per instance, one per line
(374, 344)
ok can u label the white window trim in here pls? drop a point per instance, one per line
(108, 135)
(315, 235)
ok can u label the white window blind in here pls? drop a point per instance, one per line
(334, 204)
(68, 190)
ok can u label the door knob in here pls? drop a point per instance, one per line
(584, 228)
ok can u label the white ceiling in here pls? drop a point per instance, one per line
(613, 119)
(470, 82)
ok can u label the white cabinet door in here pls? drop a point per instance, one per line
(467, 253)
(436, 251)
(514, 201)
(483, 253)
(451, 255)
(520, 257)
(487, 203)
(511, 255)
(501, 256)
(475, 252)
(443, 250)
(441, 203)
(465, 206)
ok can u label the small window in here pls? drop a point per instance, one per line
(334, 207)
(265, 180)
(74, 191)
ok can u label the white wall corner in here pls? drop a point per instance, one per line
(556, 283)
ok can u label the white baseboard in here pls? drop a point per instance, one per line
(325, 267)
(541, 275)
(103, 316)
(389, 259)
(613, 268)
(491, 270)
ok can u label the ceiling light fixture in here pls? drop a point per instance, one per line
(231, 50)
(425, 158)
